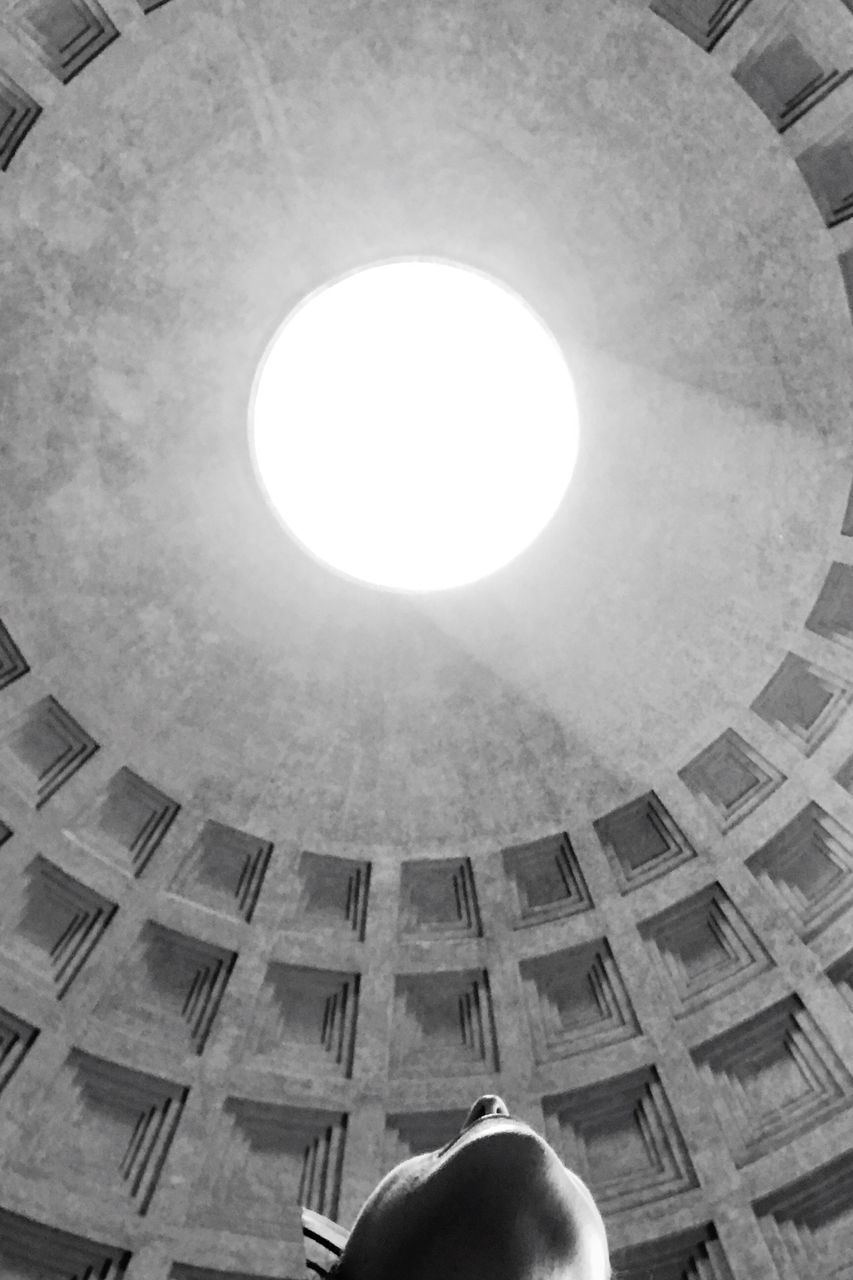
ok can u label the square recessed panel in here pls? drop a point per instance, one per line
(803, 702)
(642, 841)
(443, 1025)
(29, 1248)
(64, 34)
(694, 1254)
(224, 870)
(774, 1077)
(731, 778)
(16, 1039)
(789, 70)
(332, 894)
(264, 1157)
(106, 1127)
(827, 167)
(808, 1223)
(545, 880)
(576, 1001)
(832, 615)
(305, 1021)
(168, 989)
(128, 821)
(42, 749)
(807, 868)
(703, 948)
(13, 664)
(704, 21)
(52, 923)
(621, 1137)
(438, 898)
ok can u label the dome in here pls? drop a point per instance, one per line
(292, 869)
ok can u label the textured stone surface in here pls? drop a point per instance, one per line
(591, 158)
(292, 870)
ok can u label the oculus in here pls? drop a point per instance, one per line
(414, 425)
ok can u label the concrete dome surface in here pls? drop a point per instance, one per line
(293, 869)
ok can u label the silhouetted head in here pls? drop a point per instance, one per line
(496, 1203)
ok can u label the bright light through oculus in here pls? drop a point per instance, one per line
(414, 425)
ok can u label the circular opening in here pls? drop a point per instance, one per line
(414, 425)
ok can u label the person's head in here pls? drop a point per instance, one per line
(496, 1203)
